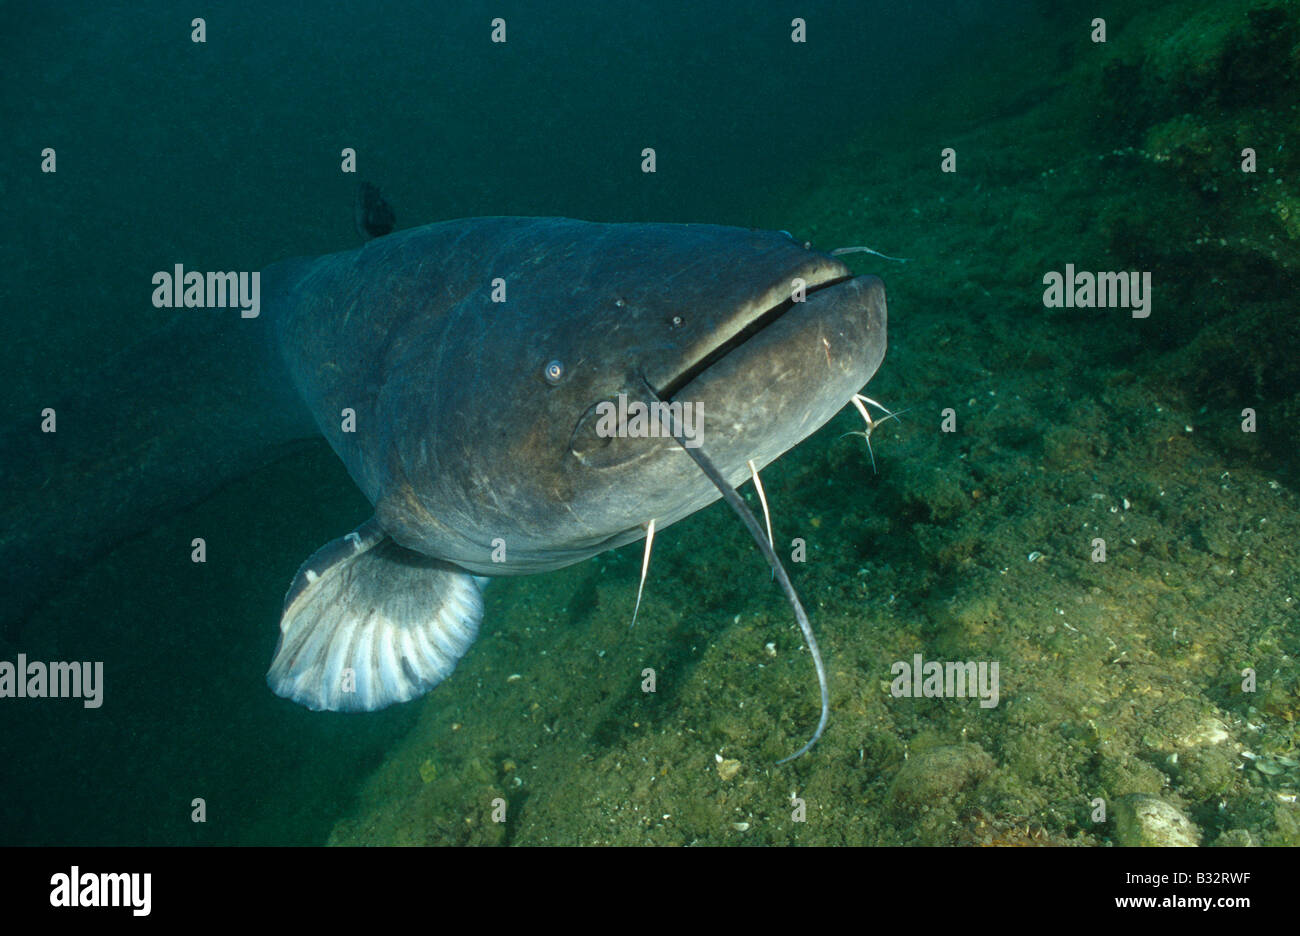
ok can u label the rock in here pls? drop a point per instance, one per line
(939, 773)
(1145, 820)
(1234, 838)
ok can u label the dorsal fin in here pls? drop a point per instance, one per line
(374, 216)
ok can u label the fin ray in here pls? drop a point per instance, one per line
(397, 620)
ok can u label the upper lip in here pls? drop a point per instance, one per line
(774, 304)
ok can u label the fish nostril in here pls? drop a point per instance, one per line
(676, 321)
(554, 372)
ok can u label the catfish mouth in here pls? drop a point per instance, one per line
(758, 323)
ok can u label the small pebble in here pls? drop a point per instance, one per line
(727, 769)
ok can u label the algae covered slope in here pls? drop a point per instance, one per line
(1159, 682)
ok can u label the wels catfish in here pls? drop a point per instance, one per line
(468, 373)
(461, 371)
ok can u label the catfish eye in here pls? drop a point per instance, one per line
(554, 372)
(676, 321)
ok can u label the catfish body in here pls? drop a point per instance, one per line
(460, 440)
(457, 370)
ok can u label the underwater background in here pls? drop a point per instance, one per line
(1121, 681)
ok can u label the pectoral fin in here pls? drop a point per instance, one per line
(368, 623)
